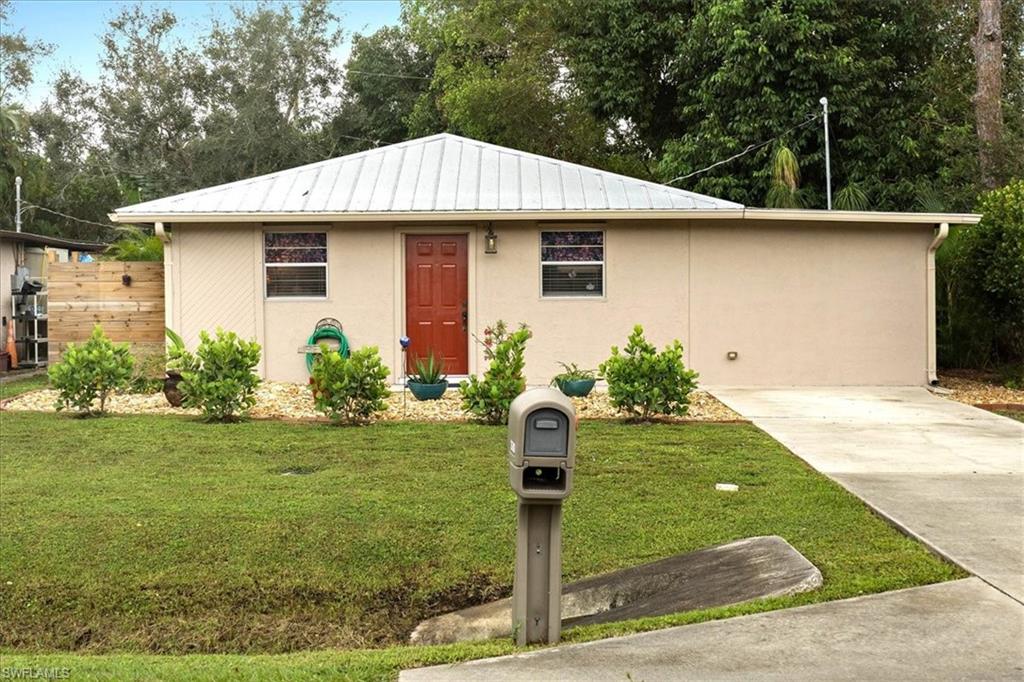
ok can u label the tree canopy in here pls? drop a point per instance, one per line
(660, 89)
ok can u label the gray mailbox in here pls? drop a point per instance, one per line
(541, 445)
(541, 459)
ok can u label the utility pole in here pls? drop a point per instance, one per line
(828, 159)
(17, 204)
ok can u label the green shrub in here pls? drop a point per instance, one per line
(179, 360)
(91, 371)
(221, 382)
(643, 382)
(136, 246)
(350, 390)
(980, 271)
(148, 373)
(488, 399)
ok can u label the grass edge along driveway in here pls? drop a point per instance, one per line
(241, 542)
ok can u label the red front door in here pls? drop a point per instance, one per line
(436, 288)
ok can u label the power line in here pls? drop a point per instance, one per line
(747, 150)
(375, 143)
(389, 75)
(79, 220)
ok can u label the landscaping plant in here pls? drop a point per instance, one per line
(179, 360)
(573, 381)
(221, 381)
(148, 373)
(986, 308)
(488, 399)
(428, 371)
(350, 390)
(90, 372)
(643, 382)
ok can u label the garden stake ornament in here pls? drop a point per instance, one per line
(404, 342)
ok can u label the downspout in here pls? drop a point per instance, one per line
(165, 237)
(940, 236)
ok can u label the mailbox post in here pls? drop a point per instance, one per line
(541, 458)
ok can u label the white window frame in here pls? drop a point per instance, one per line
(603, 263)
(325, 264)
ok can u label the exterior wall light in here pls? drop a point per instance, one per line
(490, 240)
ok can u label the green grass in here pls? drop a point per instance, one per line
(15, 387)
(124, 537)
(1012, 414)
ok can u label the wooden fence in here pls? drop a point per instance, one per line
(126, 299)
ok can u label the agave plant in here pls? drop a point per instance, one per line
(429, 370)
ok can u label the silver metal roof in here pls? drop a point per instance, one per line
(440, 174)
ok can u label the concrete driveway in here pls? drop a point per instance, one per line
(947, 473)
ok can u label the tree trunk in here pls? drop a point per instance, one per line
(987, 45)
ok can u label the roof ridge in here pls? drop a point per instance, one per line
(592, 169)
(221, 199)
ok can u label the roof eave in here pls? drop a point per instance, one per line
(809, 215)
(54, 242)
(300, 216)
(792, 215)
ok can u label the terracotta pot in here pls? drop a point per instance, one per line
(171, 390)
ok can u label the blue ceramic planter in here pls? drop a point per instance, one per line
(577, 388)
(428, 391)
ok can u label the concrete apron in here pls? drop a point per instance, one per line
(946, 473)
(957, 630)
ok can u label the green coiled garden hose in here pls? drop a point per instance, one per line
(322, 334)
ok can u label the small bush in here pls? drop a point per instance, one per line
(221, 381)
(488, 399)
(643, 382)
(91, 371)
(148, 373)
(350, 390)
(179, 360)
(980, 270)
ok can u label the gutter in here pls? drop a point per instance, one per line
(737, 213)
(940, 236)
(165, 237)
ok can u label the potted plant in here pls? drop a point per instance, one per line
(179, 360)
(428, 381)
(575, 382)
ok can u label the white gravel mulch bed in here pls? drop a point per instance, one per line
(975, 389)
(280, 400)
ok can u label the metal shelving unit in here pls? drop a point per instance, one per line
(31, 328)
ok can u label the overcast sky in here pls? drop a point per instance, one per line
(74, 28)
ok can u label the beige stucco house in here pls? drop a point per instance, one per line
(438, 237)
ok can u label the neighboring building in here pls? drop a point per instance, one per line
(398, 240)
(33, 252)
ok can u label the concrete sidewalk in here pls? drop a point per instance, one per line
(947, 473)
(958, 630)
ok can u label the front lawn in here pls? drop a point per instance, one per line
(161, 535)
